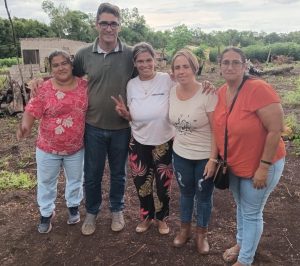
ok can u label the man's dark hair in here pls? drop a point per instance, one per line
(108, 8)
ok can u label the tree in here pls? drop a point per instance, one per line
(24, 28)
(6, 41)
(79, 26)
(133, 26)
(57, 17)
(272, 38)
(70, 24)
(179, 38)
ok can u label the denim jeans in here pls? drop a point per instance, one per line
(189, 174)
(250, 203)
(48, 168)
(100, 143)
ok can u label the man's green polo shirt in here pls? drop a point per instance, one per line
(107, 75)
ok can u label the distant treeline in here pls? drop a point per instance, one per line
(76, 25)
(263, 52)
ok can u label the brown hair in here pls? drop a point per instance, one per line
(192, 59)
(108, 8)
(141, 48)
(57, 53)
(236, 50)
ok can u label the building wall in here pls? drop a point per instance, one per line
(47, 45)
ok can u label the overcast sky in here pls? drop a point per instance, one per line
(255, 15)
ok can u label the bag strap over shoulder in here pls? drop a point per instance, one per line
(230, 109)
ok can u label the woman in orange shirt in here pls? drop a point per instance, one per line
(255, 150)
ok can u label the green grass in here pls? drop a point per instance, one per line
(293, 133)
(4, 162)
(9, 180)
(292, 98)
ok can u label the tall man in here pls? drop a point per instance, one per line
(108, 65)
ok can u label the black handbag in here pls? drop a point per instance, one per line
(221, 177)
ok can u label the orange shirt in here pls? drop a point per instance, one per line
(246, 133)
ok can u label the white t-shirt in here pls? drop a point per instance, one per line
(193, 132)
(148, 103)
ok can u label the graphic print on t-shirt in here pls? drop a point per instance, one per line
(183, 125)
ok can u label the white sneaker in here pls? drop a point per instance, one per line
(118, 222)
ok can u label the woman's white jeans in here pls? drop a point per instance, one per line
(250, 203)
(48, 168)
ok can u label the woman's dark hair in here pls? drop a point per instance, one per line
(234, 49)
(141, 48)
(57, 53)
(108, 8)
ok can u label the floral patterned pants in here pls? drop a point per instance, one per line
(151, 164)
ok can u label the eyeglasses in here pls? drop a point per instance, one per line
(233, 63)
(105, 24)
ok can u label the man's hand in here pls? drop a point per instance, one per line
(208, 87)
(121, 108)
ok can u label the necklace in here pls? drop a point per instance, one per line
(146, 85)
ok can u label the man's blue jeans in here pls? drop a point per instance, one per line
(189, 174)
(100, 143)
(250, 203)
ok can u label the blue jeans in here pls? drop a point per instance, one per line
(189, 174)
(48, 168)
(100, 143)
(250, 203)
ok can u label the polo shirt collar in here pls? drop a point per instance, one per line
(97, 48)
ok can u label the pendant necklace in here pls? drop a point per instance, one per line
(147, 85)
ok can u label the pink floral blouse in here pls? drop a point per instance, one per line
(62, 116)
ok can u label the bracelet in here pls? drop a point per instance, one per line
(265, 162)
(213, 160)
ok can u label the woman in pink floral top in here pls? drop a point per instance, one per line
(60, 105)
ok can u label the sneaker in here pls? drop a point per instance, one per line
(118, 222)
(45, 225)
(74, 215)
(89, 224)
(163, 227)
(144, 226)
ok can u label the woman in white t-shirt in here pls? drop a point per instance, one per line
(194, 151)
(150, 148)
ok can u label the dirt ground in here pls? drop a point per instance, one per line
(21, 244)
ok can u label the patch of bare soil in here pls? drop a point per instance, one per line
(21, 244)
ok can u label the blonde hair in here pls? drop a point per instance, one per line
(192, 59)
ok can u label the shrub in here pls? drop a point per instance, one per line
(8, 62)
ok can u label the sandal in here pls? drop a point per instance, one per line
(230, 255)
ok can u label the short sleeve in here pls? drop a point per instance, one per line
(261, 95)
(211, 102)
(78, 64)
(36, 105)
